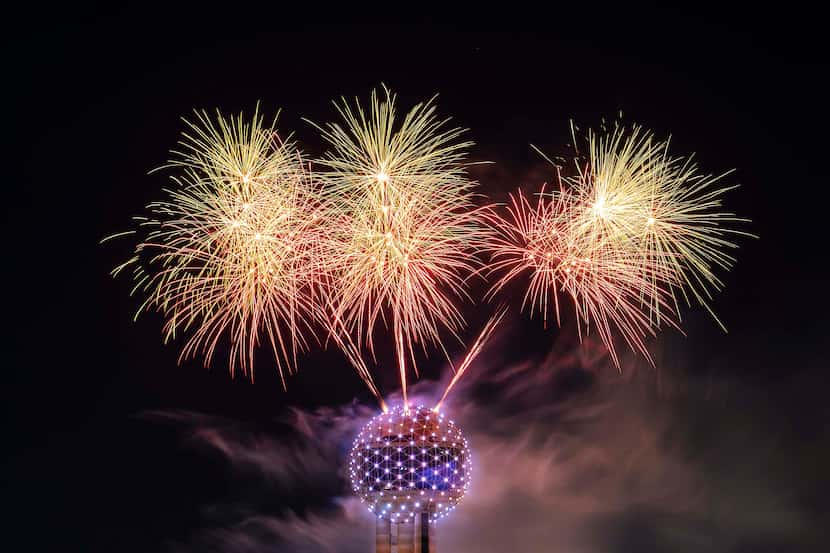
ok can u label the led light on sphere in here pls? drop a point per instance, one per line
(404, 463)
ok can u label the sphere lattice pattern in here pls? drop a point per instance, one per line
(405, 463)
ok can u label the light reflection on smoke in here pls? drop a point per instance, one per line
(570, 455)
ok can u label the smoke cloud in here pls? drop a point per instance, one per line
(570, 455)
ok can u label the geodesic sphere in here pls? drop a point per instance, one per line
(403, 464)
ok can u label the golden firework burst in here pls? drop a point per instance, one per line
(404, 223)
(233, 249)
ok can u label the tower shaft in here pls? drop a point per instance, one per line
(383, 536)
(424, 535)
(406, 536)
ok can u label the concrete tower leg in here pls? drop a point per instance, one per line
(406, 536)
(424, 534)
(431, 537)
(383, 536)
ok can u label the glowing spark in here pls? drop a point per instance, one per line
(473, 352)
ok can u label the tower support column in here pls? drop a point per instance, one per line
(424, 534)
(383, 536)
(431, 532)
(406, 536)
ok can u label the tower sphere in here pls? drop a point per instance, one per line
(404, 463)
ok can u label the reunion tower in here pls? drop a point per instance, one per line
(411, 467)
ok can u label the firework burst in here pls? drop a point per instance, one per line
(375, 157)
(403, 224)
(249, 247)
(622, 240)
(233, 249)
(541, 239)
(661, 211)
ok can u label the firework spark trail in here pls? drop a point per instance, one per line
(232, 249)
(404, 224)
(344, 341)
(473, 352)
(402, 265)
(530, 237)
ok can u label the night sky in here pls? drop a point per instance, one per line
(111, 445)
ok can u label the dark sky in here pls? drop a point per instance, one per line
(92, 103)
